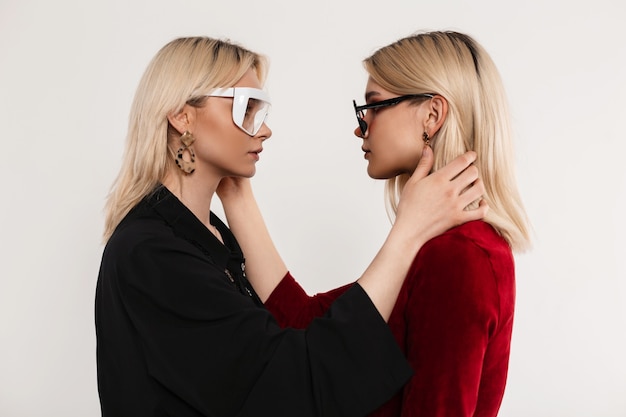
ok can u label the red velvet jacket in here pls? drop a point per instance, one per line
(453, 320)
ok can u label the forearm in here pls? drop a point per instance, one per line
(264, 266)
(383, 278)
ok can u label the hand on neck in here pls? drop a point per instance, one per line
(194, 191)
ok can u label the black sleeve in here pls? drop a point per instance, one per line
(211, 347)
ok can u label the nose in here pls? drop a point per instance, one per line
(362, 129)
(264, 132)
(358, 132)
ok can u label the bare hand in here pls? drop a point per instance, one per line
(431, 204)
(232, 187)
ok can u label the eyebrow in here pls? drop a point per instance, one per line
(370, 94)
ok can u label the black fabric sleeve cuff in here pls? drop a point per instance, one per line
(354, 329)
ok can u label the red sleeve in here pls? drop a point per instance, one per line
(452, 310)
(292, 307)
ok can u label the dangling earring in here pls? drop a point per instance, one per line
(187, 140)
(426, 139)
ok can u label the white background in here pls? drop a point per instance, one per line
(68, 72)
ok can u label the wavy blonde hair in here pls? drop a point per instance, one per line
(456, 67)
(180, 73)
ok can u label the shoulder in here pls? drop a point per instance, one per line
(469, 266)
(136, 230)
(475, 238)
(467, 255)
(146, 254)
(144, 239)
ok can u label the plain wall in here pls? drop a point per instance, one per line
(68, 72)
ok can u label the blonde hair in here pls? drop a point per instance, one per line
(456, 67)
(180, 73)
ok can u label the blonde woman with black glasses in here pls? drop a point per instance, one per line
(180, 329)
(454, 314)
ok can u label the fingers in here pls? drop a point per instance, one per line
(457, 165)
(467, 185)
(482, 209)
(424, 165)
(471, 193)
(475, 214)
(466, 179)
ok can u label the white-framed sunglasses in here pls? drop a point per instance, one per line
(250, 106)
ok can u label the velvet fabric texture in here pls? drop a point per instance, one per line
(453, 320)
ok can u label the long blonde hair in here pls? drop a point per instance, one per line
(455, 66)
(180, 73)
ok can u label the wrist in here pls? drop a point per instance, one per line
(407, 240)
(236, 193)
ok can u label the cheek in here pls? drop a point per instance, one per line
(216, 146)
(405, 156)
(399, 151)
(222, 148)
(218, 136)
(393, 158)
(396, 143)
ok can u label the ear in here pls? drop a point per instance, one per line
(182, 120)
(437, 112)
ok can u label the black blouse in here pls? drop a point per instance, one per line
(181, 332)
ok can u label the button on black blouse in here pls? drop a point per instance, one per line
(181, 332)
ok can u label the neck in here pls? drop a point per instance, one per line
(194, 192)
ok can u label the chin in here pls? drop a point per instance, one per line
(377, 174)
(248, 173)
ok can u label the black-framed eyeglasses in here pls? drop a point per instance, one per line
(362, 110)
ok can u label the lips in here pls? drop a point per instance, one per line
(255, 154)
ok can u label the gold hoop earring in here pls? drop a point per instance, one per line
(188, 167)
(426, 139)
